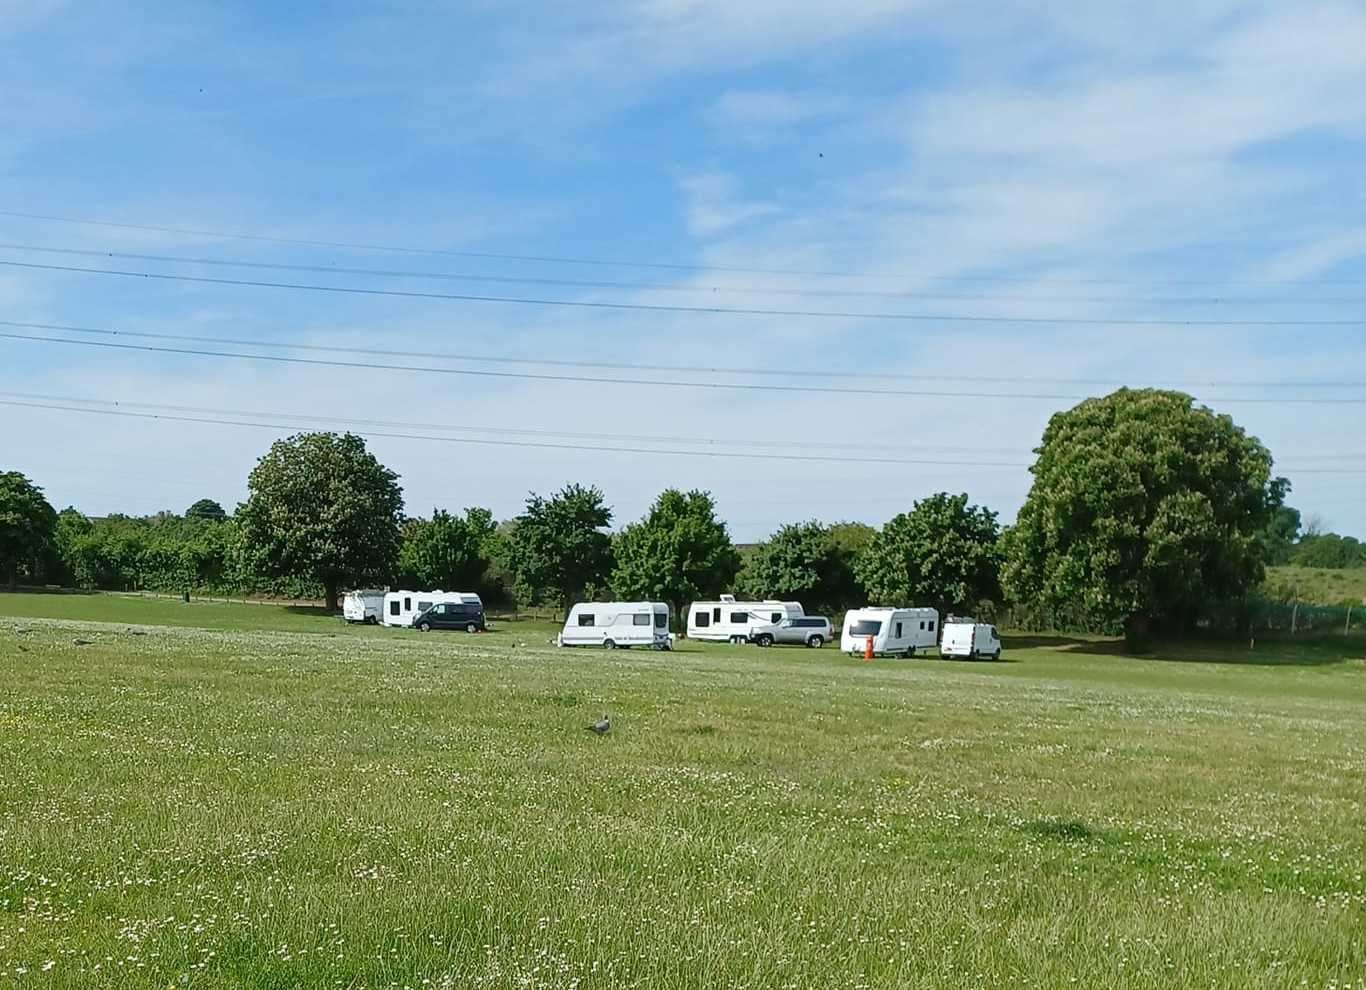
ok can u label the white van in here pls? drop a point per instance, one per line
(969, 638)
(402, 607)
(365, 606)
(895, 631)
(617, 624)
(729, 621)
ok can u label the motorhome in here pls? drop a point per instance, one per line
(402, 607)
(363, 605)
(965, 637)
(729, 621)
(617, 624)
(894, 631)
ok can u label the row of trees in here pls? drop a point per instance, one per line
(1146, 511)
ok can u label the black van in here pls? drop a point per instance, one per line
(450, 615)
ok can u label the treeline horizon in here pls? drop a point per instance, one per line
(1147, 515)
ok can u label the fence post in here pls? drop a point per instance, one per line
(1294, 617)
(1347, 628)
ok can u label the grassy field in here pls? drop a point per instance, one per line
(226, 796)
(1318, 585)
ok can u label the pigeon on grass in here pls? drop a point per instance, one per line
(601, 727)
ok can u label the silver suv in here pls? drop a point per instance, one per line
(809, 630)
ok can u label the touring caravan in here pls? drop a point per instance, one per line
(894, 631)
(402, 607)
(617, 624)
(729, 621)
(363, 606)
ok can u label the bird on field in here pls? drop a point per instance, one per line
(601, 727)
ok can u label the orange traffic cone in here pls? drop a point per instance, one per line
(868, 648)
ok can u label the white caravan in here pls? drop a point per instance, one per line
(894, 631)
(401, 607)
(969, 638)
(366, 605)
(617, 624)
(729, 621)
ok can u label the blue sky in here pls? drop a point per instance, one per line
(1173, 161)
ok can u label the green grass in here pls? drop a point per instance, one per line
(1319, 585)
(269, 807)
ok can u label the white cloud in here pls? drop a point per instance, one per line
(714, 206)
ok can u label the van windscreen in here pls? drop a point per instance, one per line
(865, 627)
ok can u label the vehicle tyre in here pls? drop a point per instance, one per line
(910, 652)
(972, 654)
(816, 642)
(425, 627)
(996, 655)
(470, 627)
(764, 639)
(608, 644)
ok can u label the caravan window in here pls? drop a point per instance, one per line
(898, 630)
(922, 623)
(776, 616)
(407, 604)
(587, 619)
(641, 619)
(393, 607)
(701, 619)
(931, 625)
(740, 617)
(865, 627)
(716, 615)
(661, 619)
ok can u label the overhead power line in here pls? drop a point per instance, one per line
(569, 283)
(635, 263)
(540, 445)
(657, 383)
(506, 431)
(681, 368)
(599, 304)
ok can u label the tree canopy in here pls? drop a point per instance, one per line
(321, 506)
(447, 551)
(28, 524)
(206, 508)
(680, 551)
(944, 553)
(807, 562)
(1144, 509)
(559, 546)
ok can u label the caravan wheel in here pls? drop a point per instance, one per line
(608, 644)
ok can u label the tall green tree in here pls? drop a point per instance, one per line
(206, 508)
(944, 553)
(805, 562)
(559, 546)
(447, 551)
(28, 525)
(679, 552)
(321, 506)
(1144, 509)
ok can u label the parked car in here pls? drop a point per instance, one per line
(808, 630)
(970, 638)
(452, 615)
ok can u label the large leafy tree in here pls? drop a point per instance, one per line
(680, 551)
(322, 507)
(446, 551)
(28, 525)
(806, 562)
(944, 553)
(559, 545)
(1144, 509)
(206, 508)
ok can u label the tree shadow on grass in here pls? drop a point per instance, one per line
(46, 590)
(1261, 653)
(312, 611)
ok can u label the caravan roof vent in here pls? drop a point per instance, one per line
(728, 598)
